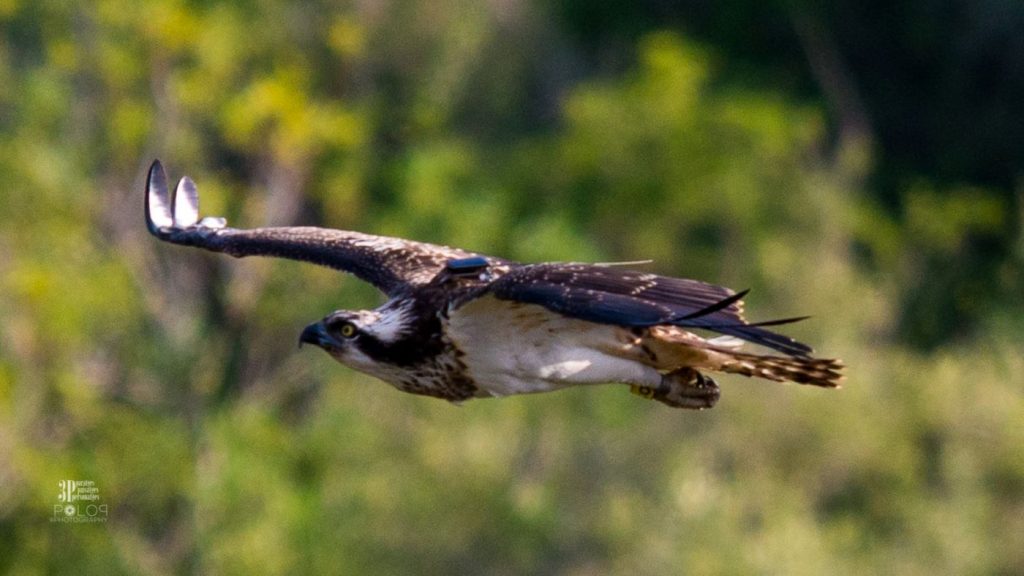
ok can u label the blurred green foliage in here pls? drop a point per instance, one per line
(576, 132)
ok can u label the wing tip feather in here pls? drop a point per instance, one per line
(186, 203)
(158, 200)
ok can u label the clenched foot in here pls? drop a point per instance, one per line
(684, 388)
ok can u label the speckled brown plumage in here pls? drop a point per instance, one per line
(459, 325)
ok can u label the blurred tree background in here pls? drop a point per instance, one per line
(860, 161)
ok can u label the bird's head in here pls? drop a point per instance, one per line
(366, 340)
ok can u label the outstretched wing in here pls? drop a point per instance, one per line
(612, 295)
(393, 265)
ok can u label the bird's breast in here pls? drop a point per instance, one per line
(515, 348)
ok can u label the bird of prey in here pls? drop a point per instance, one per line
(460, 325)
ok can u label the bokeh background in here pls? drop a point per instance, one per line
(860, 162)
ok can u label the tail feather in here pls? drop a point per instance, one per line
(753, 333)
(669, 348)
(824, 372)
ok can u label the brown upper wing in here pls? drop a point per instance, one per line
(612, 295)
(393, 265)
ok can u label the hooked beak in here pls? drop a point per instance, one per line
(317, 335)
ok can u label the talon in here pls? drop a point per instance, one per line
(687, 388)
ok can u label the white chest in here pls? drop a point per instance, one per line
(514, 348)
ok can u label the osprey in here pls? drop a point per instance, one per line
(460, 325)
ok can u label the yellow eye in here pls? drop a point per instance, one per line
(348, 330)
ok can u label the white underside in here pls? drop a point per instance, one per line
(513, 348)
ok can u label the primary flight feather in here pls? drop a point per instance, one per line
(459, 325)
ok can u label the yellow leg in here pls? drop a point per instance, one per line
(643, 391)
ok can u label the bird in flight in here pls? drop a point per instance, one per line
(459, 325)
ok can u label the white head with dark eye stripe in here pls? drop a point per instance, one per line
(364, 339)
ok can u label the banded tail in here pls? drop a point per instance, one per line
(672, 348)
(824, 372)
